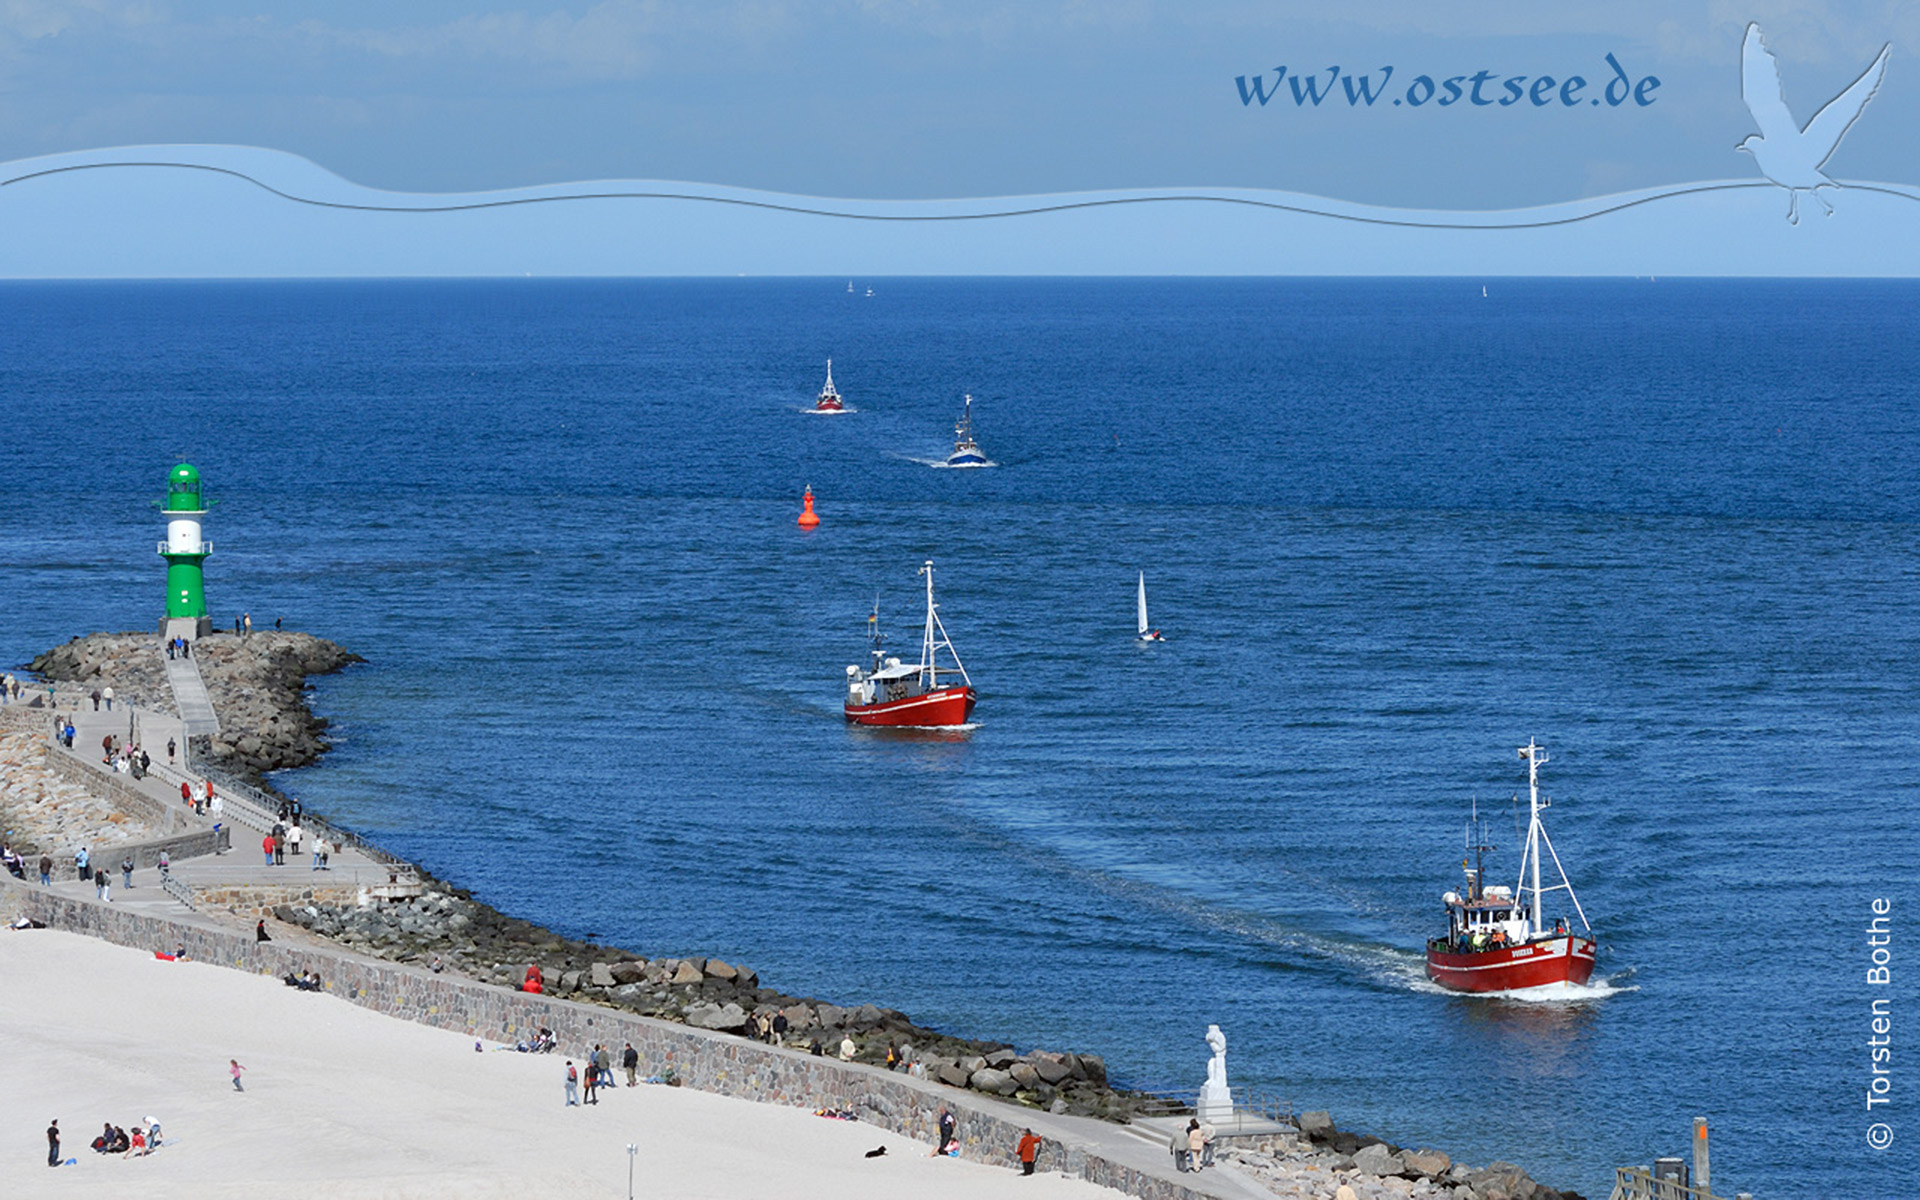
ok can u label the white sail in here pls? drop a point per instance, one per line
(1143, 604)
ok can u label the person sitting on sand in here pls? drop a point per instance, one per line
(138, 1149)
(104, 1142)
(120, 1140)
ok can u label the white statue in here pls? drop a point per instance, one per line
(1216, 1101)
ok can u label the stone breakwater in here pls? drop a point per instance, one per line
(706, 993)
(1373, 1169)
(257, 684)
(43, 810)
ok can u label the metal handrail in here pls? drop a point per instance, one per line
(1179, 1102)
(1638, 1183)
(178, 890)
(269, 807)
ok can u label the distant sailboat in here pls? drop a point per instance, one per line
(1147, 632)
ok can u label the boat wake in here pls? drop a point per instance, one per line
(827, 412)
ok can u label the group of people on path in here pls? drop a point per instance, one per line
(10, 688)
(126, 758)
(1192, 1147)
(599, 1073)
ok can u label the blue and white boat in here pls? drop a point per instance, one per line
(966, 451)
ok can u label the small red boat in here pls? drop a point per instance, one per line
(1499, 943)
(890, 692)
(829, 400)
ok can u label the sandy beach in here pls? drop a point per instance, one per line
(343, 1102)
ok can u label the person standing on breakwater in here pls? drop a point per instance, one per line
(1029, 1148)
(233, 1068)
(46, 870)
(126, 872)
(266, 848)
(96, 699)
(246, 625)
(573, 1086)
(1196, 1145)
(106, 693)
(293, 839)
(630, 1059)
(170, 750)
(80, 864)
(100, 885)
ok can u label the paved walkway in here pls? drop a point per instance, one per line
(242, 866)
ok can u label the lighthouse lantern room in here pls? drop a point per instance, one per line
(184, 548)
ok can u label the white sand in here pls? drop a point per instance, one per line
(342, 1102)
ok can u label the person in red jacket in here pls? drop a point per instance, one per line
(266, 847)
(536, 982)
(1029, 1150)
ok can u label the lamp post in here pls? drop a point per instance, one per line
(631, 1151)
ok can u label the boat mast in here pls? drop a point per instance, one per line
(1534, 756)
(935, 637)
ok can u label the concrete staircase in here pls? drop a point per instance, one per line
(189, 690)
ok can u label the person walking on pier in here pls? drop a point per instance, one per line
(170, 750)
(96, 699)
(573, 1086)
(126, 872)
(106, 693)
(100, 884)
(80, 864)
(46, 870)
(266, 847)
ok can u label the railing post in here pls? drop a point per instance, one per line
(1702, 1178)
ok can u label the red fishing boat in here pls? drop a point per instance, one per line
(889, 692)
(829, 400)
(1498, 941)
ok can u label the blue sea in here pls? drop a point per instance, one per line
(1392, 530)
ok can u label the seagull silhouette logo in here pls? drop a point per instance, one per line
(1786, 153)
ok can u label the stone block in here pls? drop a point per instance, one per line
(1431, 1163)
(1050, 1069)
(727, 1018)
(991, 1080)
(686, 972)
(1378, 1160)
(602, 976)
(1316, 1125)
(719, 970)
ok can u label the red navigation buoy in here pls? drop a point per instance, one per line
(808, 518)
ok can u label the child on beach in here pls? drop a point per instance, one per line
(234, 1068)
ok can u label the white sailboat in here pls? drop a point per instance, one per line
(1147, 632)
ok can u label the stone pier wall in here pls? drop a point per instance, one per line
(988, 1131)
(188, 842)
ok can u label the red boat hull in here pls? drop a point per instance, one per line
(942, 706)
(1563, 959)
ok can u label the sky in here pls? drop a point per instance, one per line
(884, 99)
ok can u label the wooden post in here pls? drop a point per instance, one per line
(1702, 1178)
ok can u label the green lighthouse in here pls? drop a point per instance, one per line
(184, 550)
